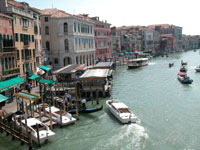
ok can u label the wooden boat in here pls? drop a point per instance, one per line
(183, 78)
(121, 111)
(60, 116)
(32, 123)
(197, 69)
(85, 110)
(171, 64)
(183, 69)
(136, 63)
(183, 63)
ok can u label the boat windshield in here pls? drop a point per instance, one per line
(41, 127)
(124, 110)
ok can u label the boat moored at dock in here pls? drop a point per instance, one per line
(121, 111)
(36, 127)
(136, 63)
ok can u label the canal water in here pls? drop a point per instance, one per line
(169, 112)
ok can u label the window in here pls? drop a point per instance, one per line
(15, 19)
(47, 30)
(47, 45)
(46, 19)
(34, 53)
(16, 37)
(22, 37)
(78, 27)
(33, 38)
(65, 27)
(66, 45)
(20, 21)
(55, 60)
(17, 54)
(74, 27)
(10, 23)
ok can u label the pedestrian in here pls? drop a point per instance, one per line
(83, 101)
(29, 88)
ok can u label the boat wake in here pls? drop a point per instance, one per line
(132, 136)
(152, 63)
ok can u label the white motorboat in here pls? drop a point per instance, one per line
(58, 115)
(197, 69)
(44, 132)
(183, 78)
(121, 111)
(135, 63)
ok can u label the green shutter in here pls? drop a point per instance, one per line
(16, 37)
(33, 38)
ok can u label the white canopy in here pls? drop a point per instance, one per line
(95, 73)
(119, 105)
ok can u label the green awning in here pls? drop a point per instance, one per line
(33, 77)
(45, 68)
(49, 82)
(3, 98)
(125, 35)
(11, 83)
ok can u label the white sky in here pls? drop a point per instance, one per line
(184, 13)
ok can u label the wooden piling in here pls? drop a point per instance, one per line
(97, 96)
(50, 117)
(38, 135)
(76, 102)
(30, 140)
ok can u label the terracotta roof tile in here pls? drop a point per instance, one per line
(55, 13)
(14, 3)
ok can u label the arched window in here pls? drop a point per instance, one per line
(47, 45)
(65, 26)
(66, 45)
(47, 30)
(80, 59)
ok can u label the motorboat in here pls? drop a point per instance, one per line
(136, 63)
(60, 116)
(183, 78)
(197, 69)
(183, 68)
(121, 111)
(34, 125)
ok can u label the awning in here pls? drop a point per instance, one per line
(45, 68)
(49, 82)
(11, 83)
(121, 53)
(27, 96)
(3, 98)
(33, 77)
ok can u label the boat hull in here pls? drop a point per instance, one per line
(134, 67)
(87, 110)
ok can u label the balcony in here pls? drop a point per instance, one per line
(102, 36)
(11, 72)
(19, 12)
(27, 58)
(25, 27)
(9, 50)
(26, 44)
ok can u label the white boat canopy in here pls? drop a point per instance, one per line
(119, 105)
(95, 73)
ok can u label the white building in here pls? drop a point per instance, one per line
(67, 39)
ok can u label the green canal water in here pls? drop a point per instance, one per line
(169, 112)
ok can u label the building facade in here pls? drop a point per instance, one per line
(67, 39)
(23, 28)
(8, 53)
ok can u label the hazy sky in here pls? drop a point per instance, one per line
(184, 13)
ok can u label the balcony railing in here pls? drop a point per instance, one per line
(9, 50)
(20, 12)
(11, 71)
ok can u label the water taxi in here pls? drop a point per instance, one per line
(183, 78)
(136, 63)
(121, 111)
(197, 69)
(34, 125)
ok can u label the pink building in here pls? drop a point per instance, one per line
(8, 63)
(102, 39)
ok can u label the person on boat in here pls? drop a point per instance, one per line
(83, 101)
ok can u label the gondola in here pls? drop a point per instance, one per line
(85, 110)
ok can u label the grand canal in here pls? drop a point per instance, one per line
(168, 111)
